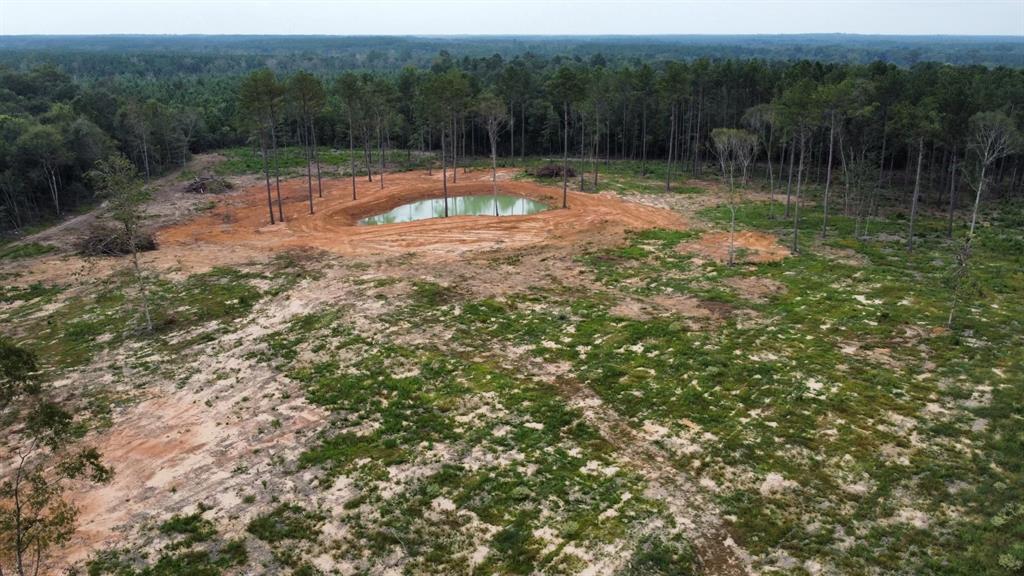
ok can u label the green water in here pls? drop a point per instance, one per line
(459, 206)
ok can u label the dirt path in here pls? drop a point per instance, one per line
(700, 519)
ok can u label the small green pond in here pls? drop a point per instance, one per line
(500, 205)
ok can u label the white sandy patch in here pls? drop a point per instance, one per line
(775, 484)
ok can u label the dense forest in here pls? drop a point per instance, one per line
(884, 128)
(165, 56)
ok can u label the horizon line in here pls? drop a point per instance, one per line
(508, 35)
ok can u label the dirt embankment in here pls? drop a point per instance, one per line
(243, 220)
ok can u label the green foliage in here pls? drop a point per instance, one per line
(286, 522)
(17, 374)
(655, 554)
(44, 457)
(193, 529)
(203, 562)
(19, 250)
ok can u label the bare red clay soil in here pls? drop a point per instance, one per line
(756, 247)
(243, 218)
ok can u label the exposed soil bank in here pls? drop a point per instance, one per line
(242, 219)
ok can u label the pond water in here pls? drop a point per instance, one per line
(500, 205)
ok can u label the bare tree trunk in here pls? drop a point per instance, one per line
(643, 140)
(266, 172)
(977, 200)
(380, 150)
(846, 175)
(51, 183)
(455, 149)
(952, 195)
(580, 165)
(316, 160)
(917, 193)
(352, 154)
(732, 214)
(671, 142)
(789, 185)
(277, 171)
(145, 152)
(366, 154)
(512, 131)
(796, 203)
(696, 137)
(771, 171)
(565, 157)
(828, 174)
(139, 279)
(444, 172)
(304, 135)
(596, 147)
(492, 133)
(522, 132)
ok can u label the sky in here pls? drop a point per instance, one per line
(457, 17)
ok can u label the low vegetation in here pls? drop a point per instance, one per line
(621, 407)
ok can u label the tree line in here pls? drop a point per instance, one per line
(172, 56)
(871, 133)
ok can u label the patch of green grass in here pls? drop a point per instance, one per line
(429, 294)
(217, 557)
(31, 292)
(188, 530)
(334, 163)
(19, 250)
(286, 522)
(85, 324)
(656, 554)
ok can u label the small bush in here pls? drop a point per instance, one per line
(286, 522)
(193, 527)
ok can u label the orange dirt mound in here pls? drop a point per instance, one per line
(754, 247)
(242, 218)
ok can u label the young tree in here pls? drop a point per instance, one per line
(645, 89)
(797, 112)
(43, 458)
(492, 110)
(732, 146)
(381, 96)
(116, 180)
(673, 87)
(993, 135)
(514, 85)
(830, 100)
(761, 120)
(918, 122)
(565, 89)
(351, 94)
(259, 99)
(307, 96)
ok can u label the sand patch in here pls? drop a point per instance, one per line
(753, 247)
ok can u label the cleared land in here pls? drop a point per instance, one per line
(579, 391)
(244, 220)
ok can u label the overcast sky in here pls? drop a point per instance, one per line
(348, 17)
